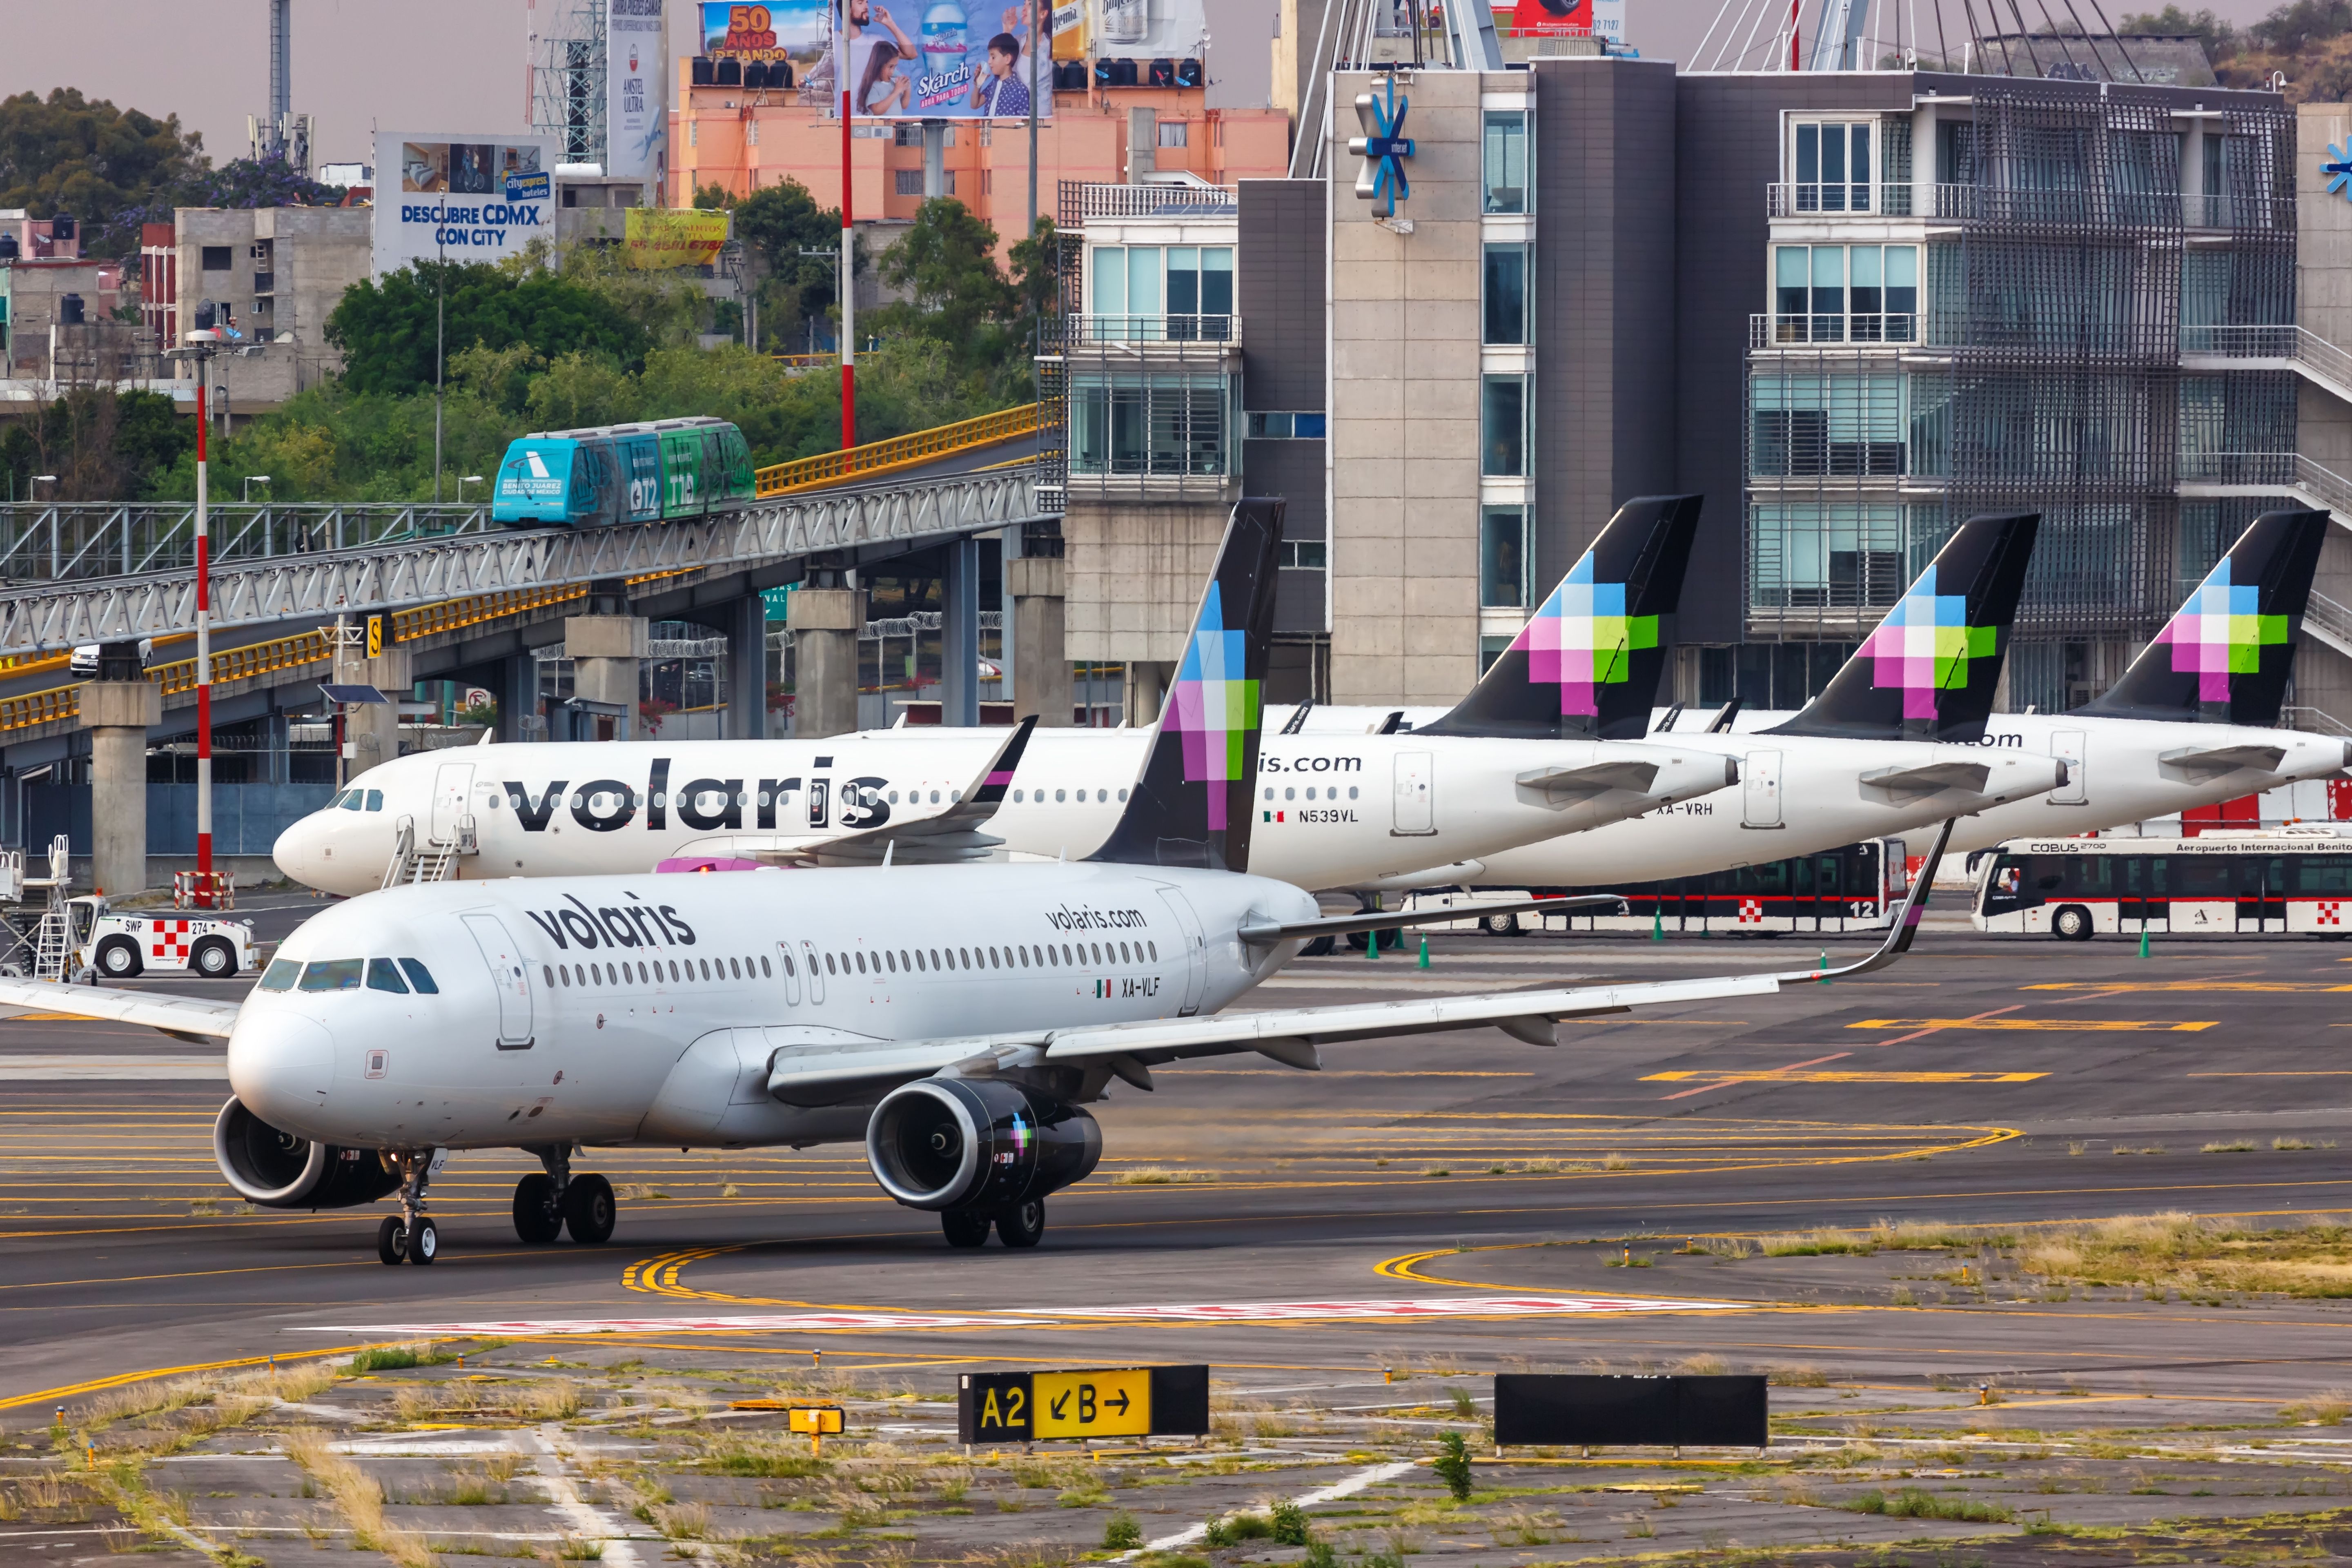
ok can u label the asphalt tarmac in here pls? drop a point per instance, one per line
(1460, 1198)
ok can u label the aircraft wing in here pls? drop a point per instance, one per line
(948, 835)
(1294, 1034)
(187, 1017)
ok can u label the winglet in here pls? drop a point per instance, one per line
(1587, 663)
(998, 777)
(2225, 658)
(1929, 670)
(1905, 926)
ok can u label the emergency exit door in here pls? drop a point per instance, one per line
(1759, 790)
(1415, 811)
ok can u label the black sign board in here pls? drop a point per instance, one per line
(1574, 1409)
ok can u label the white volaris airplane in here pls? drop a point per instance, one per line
(2190, 723)
(956, 1019)
(1373, 806)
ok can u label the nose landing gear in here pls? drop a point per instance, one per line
(411, 1237)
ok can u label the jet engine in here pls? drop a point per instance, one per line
(977, 1144)
(280, 1171)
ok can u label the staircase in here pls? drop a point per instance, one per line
(437, 861)
(2298, 349)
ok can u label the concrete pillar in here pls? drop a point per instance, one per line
(1041, 676)
(373, 728)
(517, 697)
(935, 156)
(747, 669)
(607, 654)
(1147, 687)
(959, 634)
(825, 624)
(118, 714)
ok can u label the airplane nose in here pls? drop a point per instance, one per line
(292, 850)
(281, 1065)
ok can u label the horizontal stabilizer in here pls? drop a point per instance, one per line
(1593, 778)
(1900, 786)
(2203, 762)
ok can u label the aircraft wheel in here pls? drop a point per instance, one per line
(965, 1230)
(588, 1209)
(392, 1239)
(118, 958)
(1320, 947)
(423, 1242)
(2072, 922)
(1022, 1225)
(538, 1215)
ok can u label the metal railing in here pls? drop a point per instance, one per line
(897, 452)
(68, 540)
(2315, 721)
(1838, 199)
(1079, 202)
(2236, 212)
(1798, 330)
(2305, 349)
(2332, 620)
(1224, 330)
(2278, 472)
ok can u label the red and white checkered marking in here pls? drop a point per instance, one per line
(167, 942)
(2327, 912)
(1752, 911)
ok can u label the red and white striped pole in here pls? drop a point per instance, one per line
(204, 658)
(848, 243)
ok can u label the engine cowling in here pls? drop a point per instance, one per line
(280, 1171)
(977, 1144)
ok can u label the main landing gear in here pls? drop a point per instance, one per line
(1022, 1225)
(410, 1236)
(548, 1203)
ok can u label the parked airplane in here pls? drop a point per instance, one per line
(955, 1019)
(1895, 742)
(1372, 806)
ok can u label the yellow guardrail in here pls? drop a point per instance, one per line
(41, 707)
(899, 452)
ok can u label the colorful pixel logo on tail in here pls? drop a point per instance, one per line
(2224, 656)
(1924, 646)
(1582, 637)
(1215, 705)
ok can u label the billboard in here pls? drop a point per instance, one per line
(460, 198)
(799, 31)
(1153, 29)
(634, 119)
(1604, 19)
(965, 60)
(671, 237)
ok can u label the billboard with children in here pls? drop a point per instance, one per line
(947, 59)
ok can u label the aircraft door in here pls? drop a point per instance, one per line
(2072, 747)
(1759, 790)
(815, 967)
(509, 977)
(1415, 811)
(451, 785)
(1196, 953)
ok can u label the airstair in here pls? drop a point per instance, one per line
(436, 860)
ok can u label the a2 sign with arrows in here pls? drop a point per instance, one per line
(1118, 1402)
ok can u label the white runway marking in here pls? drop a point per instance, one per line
(1399, 1309)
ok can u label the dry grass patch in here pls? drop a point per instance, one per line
(358, 1498)
(2181, 1251)
(1157, 1176)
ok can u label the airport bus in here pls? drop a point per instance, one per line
(1855, 888)
(658, 472)
(2215, 884)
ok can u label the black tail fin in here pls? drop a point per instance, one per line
(1928, 672)
(1586, 662)
(1192, 805)
(2224, 658)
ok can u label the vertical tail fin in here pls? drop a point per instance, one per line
(1586, 662)
(2224, 658)
(1929, 671)
(1192, 804)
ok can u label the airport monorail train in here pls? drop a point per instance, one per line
(623, 473)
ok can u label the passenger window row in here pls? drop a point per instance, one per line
(1290, 792)
(350, 974)
(1102, 797)
(903, 960)
(674, 971)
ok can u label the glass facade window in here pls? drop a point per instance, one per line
(1845, 293)
(1503, 426)
(1505, 160)
(1173, 424)
(1302, 556)
(1151, 292)
(1832, 167)
(1812, 424)
(1506, 295)
(1270, 426)
(1825, 555)
(1503, 558)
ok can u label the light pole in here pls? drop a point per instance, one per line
(848, 247)
(463, 481)
(202, 343)
(251, 481)
(48, 480)
(440, 270)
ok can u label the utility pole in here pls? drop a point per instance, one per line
(848, 246)
(440, 284)
(201, 346)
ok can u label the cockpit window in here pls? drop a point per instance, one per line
(353, 799)
(282, 973)
(383, 974)
(420, 977)
(375, 800)
(333, 974)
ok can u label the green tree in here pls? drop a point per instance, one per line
(72, 154)
(776, 224)
(956, 296)
(385, 329)
(1036, 270)
(2221, 39)
(713, 197)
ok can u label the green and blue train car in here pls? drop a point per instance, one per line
(659, 472)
